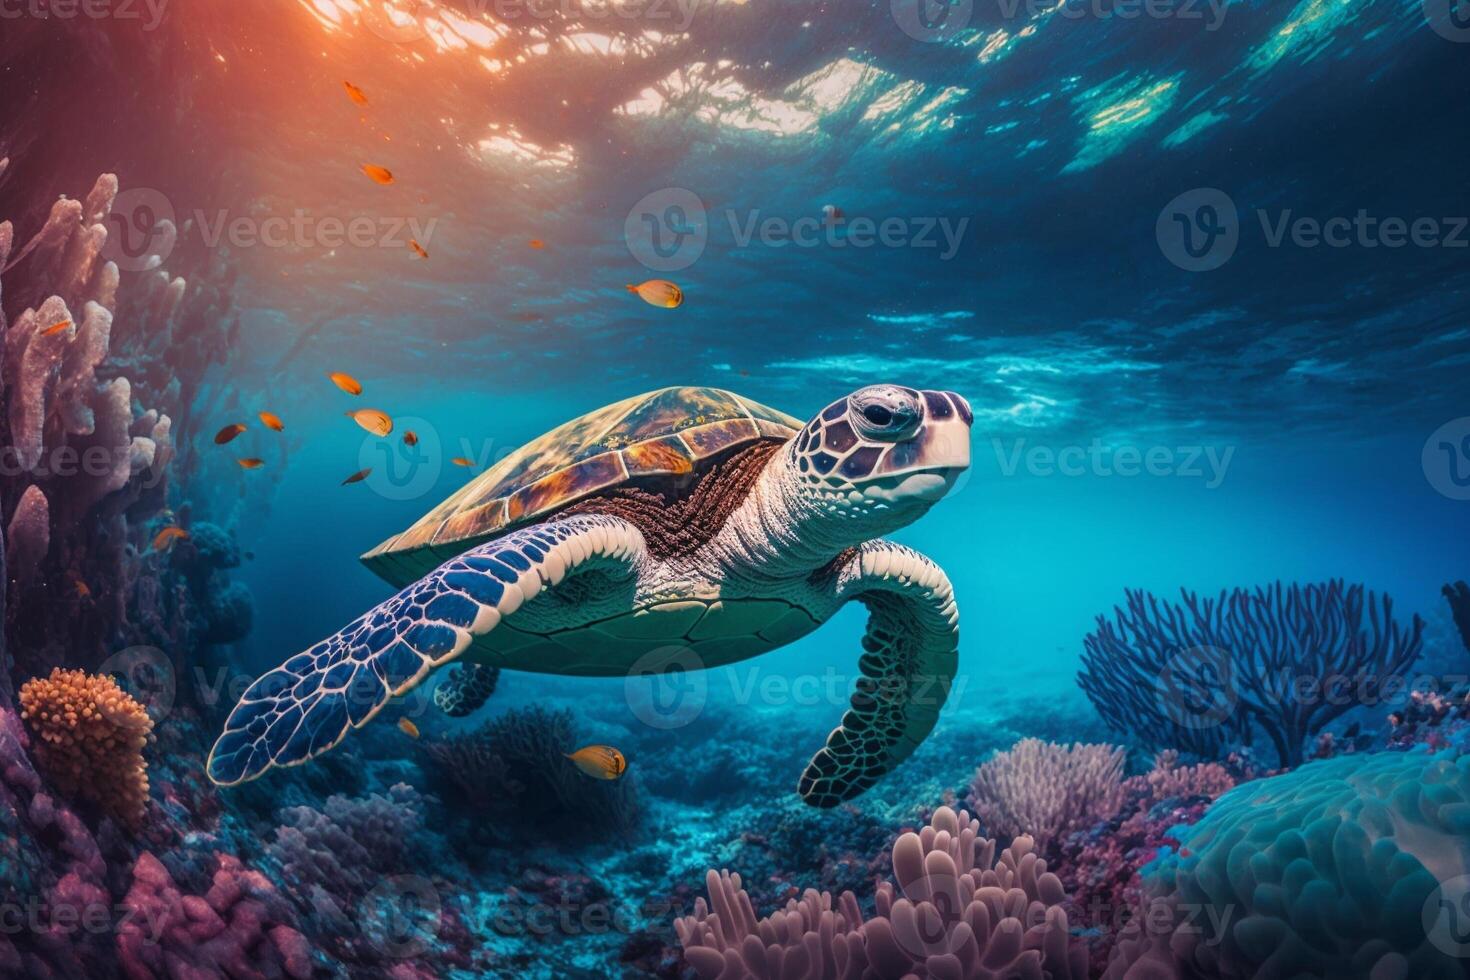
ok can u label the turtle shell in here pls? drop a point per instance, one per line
(669, 432)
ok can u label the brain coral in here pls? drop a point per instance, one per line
(89, 738)
(1347, 867)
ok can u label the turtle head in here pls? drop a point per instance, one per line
(883, 455)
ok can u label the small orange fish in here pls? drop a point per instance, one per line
(659, 292)
(228, 433)
(417, 248)
(600, 762)
(376, 422)
(355, 94)
(468, 464)
(272, 421)
(410, 438)
(408, 728)
(537, 244)
(250, 463)
(165, 539)
(380, 175)
(358, 477)
(55, 328)
(83, 591)
(346, 382)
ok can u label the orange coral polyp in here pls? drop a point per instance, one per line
(89, 738)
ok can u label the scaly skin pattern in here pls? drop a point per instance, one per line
(582, 595)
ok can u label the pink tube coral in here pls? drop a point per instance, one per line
(957, 913)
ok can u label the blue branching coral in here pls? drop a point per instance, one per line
(1336, 870)
(1208, 675)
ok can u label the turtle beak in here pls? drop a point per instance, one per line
(940, 448)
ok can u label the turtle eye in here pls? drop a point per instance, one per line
(878, 415)
(886, 413)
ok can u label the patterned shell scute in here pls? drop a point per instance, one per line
(666, 432)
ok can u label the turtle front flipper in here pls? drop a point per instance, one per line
(307, 705)
(910, 654)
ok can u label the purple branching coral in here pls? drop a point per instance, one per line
(1042, 789)
(963, 914)
(1206, 675)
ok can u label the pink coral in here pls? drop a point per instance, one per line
(238, 928)
(963, 914)
(1044, 789)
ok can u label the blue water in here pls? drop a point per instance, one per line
(1313, 375)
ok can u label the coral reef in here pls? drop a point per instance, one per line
(963, 914)
(89, 737)
(98, 373)
(1207, 675)
(1458, 596)
(1347, 868)
(1100, 865)
(240, 927)
(516, 763)
(1042, 789)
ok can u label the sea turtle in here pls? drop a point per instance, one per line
(685, 525)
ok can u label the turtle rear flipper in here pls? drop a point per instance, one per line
(910, 654)
(466, 689)
(308, 704)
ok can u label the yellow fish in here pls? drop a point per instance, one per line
(376, 422)
(659, 292)
(381, 175)
(164, 539)
(346, 382)
(408, 728)
(600, 762)
(272, 421)
(228, 434)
